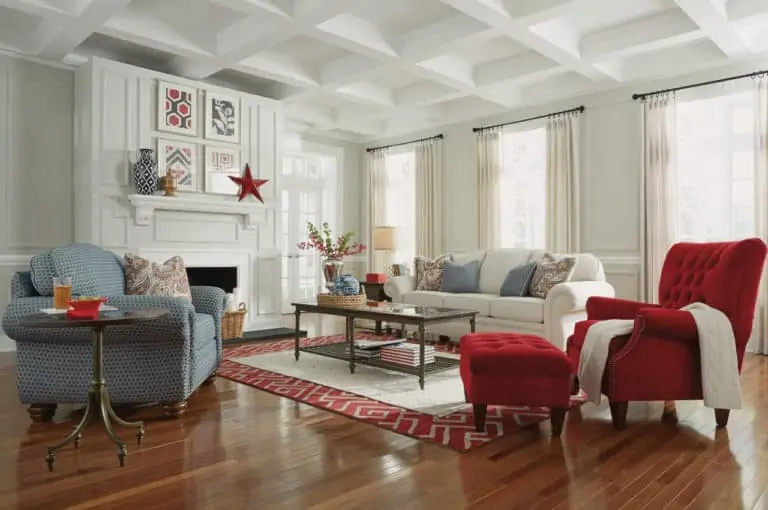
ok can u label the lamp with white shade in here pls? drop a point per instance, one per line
(384, 243)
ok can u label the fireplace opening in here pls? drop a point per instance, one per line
(222, 277)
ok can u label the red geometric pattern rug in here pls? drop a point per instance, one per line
(455, 430)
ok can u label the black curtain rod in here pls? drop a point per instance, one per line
(436, 137)
(700, 84)
(571, 110)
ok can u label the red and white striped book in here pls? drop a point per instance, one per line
(407, 354)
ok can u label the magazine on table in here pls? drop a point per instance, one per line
(377, 344)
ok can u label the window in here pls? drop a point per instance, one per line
(715, 168)
(522, 189)
(401, 204)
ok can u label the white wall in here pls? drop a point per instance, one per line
(611, 151)
(35, 165)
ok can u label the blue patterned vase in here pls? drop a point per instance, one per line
(346, 285)
(145, 172)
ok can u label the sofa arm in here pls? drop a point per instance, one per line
(20, 308)
(573, 296)
(667, 323)
(565, 305)
(176, 326)
(397, 286)
(604, 308)
(210, 300)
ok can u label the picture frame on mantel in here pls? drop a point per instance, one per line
(181, 158)
(220, 164)
(222, 117)
(176, 109)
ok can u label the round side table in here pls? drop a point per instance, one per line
(98, 404)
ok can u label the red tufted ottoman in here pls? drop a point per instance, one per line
(512, 369)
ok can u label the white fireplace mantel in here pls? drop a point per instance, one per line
(144, 207)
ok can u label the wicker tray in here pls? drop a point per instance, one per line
(342, 301)
(232, 323)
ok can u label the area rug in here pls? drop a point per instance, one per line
(385, 399)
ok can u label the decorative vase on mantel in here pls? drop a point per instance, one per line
(332, 269)
(145, 172)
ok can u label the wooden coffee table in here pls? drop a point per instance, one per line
(420, 316)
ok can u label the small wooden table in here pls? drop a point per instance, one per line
(99, 405)
(420, 316)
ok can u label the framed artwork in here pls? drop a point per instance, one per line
(181, 158)
(220, 163)
(222, 117)
(176, 109)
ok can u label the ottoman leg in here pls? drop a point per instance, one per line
(556, 420)
(479, 410)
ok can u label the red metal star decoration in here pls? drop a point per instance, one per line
(249, 185)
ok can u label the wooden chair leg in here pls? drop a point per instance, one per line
(41, 412)
(721, 417)
(619, 414)
(210, 379)
(480, 412)
(556, 420)
(669, 415)
(175, 409)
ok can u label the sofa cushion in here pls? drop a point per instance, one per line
(93, 270)
(518, 280)
(425, 297)
(429, 272)
(147, 278)
(204, 329)
(461, 278)
(42, 272)
(549, 273)
(481, 303)
(526, 309)
(496, 266)
(588, 267)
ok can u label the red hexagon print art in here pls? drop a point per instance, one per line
(177, 109)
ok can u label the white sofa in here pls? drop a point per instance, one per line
(553, 317)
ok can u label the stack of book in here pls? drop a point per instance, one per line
(407, 354)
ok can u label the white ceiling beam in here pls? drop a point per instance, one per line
(519, 68)
(493, 14)
(711, 17)
(279, 68)
(264, 26)
(646, 34)
(38, 8)
(370, 92)
(57, 44)
(424, 93)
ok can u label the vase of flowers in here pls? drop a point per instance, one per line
(332, 250)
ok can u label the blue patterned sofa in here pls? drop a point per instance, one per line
(161, 361)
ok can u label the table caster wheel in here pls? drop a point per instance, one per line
(140, 436)
(121, 454)
(51, 460)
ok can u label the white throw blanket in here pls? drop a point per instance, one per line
(719, 364)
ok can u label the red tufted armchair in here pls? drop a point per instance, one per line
(660, 359)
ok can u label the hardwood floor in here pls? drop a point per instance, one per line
(238, 447)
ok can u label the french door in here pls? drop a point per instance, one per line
(307, 195)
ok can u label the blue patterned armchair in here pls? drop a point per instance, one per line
(161, 361)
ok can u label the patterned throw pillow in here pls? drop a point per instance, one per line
(146, 278)
(550, 272)
(429, 273)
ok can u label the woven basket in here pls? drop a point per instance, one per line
(342, 301)
(233, 322)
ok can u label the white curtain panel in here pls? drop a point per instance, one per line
(429, 190)
(375, 200)
(759, 341)
(562, 216)
(659, 210)
(488, 168)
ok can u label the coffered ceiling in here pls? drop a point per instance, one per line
(362, 69)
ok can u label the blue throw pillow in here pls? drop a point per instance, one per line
(518, 280)
(459, 278)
